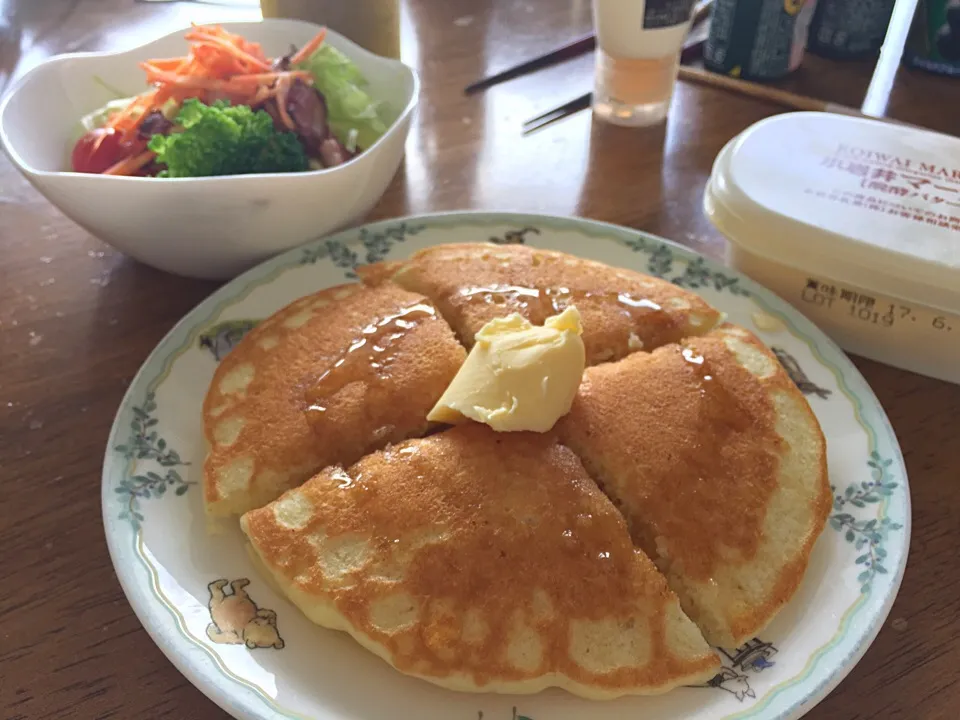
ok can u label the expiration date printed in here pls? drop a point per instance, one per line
(866, 308)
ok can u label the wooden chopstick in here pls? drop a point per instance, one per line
(775, 95)
(762, 92)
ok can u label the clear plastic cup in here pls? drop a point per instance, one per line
(638, 54)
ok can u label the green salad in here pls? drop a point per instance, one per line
(227, 109)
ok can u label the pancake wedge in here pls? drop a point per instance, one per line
(480, 561)
(719, 465)
(325, 380)
(622, 310)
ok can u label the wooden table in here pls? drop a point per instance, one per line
(77, 319)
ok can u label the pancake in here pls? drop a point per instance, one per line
(481, 561)
(622, 310)
(719, 465)
(325, 380)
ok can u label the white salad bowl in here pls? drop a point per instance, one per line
(211, 227)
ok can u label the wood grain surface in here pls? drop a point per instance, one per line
(78, 318)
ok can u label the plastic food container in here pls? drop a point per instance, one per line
(855, 222)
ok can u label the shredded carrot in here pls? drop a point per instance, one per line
(310, 48)
(262, 94)
(264, 78)
(238, 40)
(129, 165)
(211, 61)
(246, 60)
(185, 82)
(173, 64)
(128, 118)
(169, 92)
(240, 85)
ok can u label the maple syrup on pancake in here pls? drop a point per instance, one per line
(370, 351)
(719, 404)
(712, 473)
(552, 301)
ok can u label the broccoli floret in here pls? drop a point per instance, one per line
(221, 139)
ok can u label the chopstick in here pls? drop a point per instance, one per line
(775, 95)
(558, 113)
(573, 49)
(763, 92)
(578, 47)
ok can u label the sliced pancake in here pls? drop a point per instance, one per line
(325, 380)
(622, 310)
(719, 465)
(480, 561)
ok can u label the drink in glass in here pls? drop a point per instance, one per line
(638, 53)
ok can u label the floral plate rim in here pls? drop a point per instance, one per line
(223, 688)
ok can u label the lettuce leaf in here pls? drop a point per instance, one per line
(350, 110)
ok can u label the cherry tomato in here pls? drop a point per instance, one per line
(97, 150)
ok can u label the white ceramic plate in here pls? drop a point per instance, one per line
(189, 589)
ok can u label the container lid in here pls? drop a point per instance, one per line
(875, 203)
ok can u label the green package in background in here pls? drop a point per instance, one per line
(843, 29)
(757, 39)
(934, 40)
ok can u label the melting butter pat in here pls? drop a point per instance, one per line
(518, 376)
